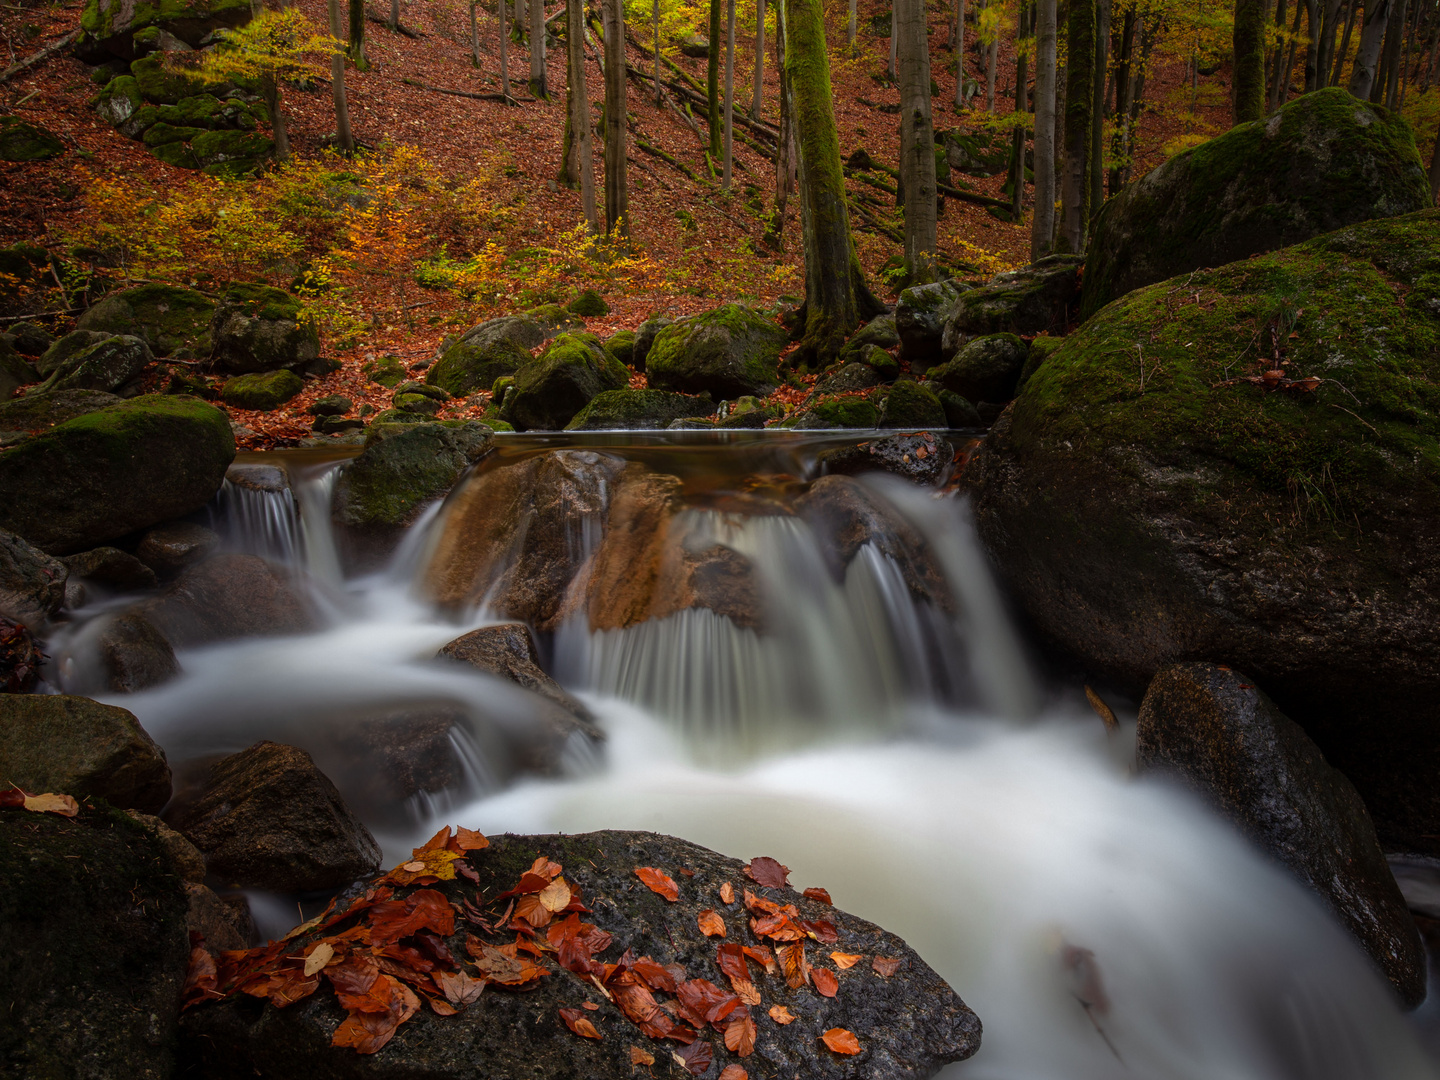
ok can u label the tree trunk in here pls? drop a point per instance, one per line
(729, 94)
(474, 37)
(850, 27)
(394, 21)
(759, 100)
(617, 188)
(655, 24)
(992, 61)
(579, 101)
(539, 83)
(1434, 170)
(1276, 58)
(279, 129)
(917, 139)
(712, 85)
(1372, 36)
(1120, 138)
(1042, 229)
(1097, 107)
(835, 292)
(1394, 45)
(357, 34)
(504, 35)
(1249, 44)
(337, 84)
(784, 147)
(1079, 101)
(890, 70)
(959, 54)
(1352, 6)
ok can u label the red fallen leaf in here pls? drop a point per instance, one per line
(590, 1006)
(367, 1032)
(1272, 379)
(545, 868)
(424, 909)
(458, 987)
(439, 842)
(502, 965)
(815, 893)
(633, 997)
(761, 955)
(659, 882)
(734, 1072)
(695, 1058)
(200, 979)
(767, 872)
(12, 799)
(727, 893)
(793, 964)
(687, 872)
(529, 883)
(579, 1023)
(781, 1015)
(655, 976)
(730, 958)
(885, 966)
(467, 840)
(845, 961)
(822, 930)
(711, 924)
(740, 1034)
(825, 982)
(841, 1041)
(704, 999)
(467, 872)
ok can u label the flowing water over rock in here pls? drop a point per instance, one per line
(815, 669)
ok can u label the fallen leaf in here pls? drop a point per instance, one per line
(556, 895)
(845, 961)
(740, 1034)
(12, 799)
(658, 882)
(458, 987)
(579, 1023)
(841, 1041)
(711, 924)
(746, 991)
(50, 803)
(761, 955)
(200, 978)
(727, 893)
(502, 965)
(822, 930)
(468, 840)
(885, 966)
(590, 1006)
(767, 872)
(319, 956)
(695, 1058)
(734, 1072)
(825, 982)
(655, 976)
(424, 909)
(781, 1015)
(366, 1032)
(438, 842)
(793, 964)
(815, 893)
(435, 865)
(641, 1057)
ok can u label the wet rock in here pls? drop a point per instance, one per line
(331, 405)
(213, 919)
(92, 947)
(959, 412)
(921, 459)
(1322, 162)
(1216, 732)
(134, 654)
(262, 390)
(878, 333)
(636, 410)
(186, 862)
(114, 471)
(726, 353)
(170, 548)
(268, 818)
(551, 388)
(1036, 299)
(73, 745)
(111, 567)
(748, 412)
(909, 1024)
(20, 658)
(257, 328)
(339, 425)
(985, 369)
(381, 761)
(32, 585)
(911, 405)
(508, 651)
(230, 596)
(849, 378)
(268, 478)
(166, 317)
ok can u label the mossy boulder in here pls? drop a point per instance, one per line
(492, 349)
(1042, 347)
(728, 352)
(551, 388)
(263, 390)
(554, 319)
(93, 946)
(878, 333)
(113, 471)
(1035, 299)
(912, 406)
(39, 410)
(847, 412)
(15, 371)
(29, 339)
(1323, 161)
(258, 328)
(119, 101)
(1291, 533)
(159, 85)
(231, 153)
(621, 345)
(330, 405)
(588, 305)
(920, 319)
(20, 140)
(986, 369)
(853, 376)
(108, 27)
(168, 317)
(388, 372)
(107, 365)
(636, 410)
(645, 336)
(978, 153)
(960, 412)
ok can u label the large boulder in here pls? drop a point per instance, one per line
(637, 410)
(167, 317)
(32, 585)
(727, 353)
(261, 390)
(267, 818)
(20, 140)
(108, 473)
(133, 654)
(108, 27)
(645, 335)
(909, 1023)
(911, 405)
(985, 369)
(481, 355)
(63, 743)
(107, 365)
(1293, 533)
(551, 388)
(60, 350)
(878, 333)
(257, 328)
(92, 946)
(1035, 299)
(1324, 161)
(230, 596)
(37, 410)
(920, 320)
(1219, 734)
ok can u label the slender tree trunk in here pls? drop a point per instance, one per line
(1313, 14)
(1434, 171)
(1097, 107)
(1394, 46)
(836, 296)
(1283, 83)
(785, 147)
(337, 83)
(729, 94)
(1079, 100)
(579, 100)
(1120, 137)
(759, 100)
(1404, 81)
(519, 22)
(279, 129)
(1434, 48)
(959, 53)
(474, 36)
(357, 34)
(712, 84)
(503, 33)
(1352, 6)
(1042, 229)
(1273, 63)
(890, 70)
(394, 21)
(617, 188)
(539, 82)
(992, 61)
(655, 25)
(1372, 37)
(917, 139)
(1249, 45)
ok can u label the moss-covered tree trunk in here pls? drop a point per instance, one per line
(759, 93)
(712, 83)
(836, 296)
(579, 115)
(617, 188)
(917, 138)
(1079, 103)
(784, 147)
(1249, 45)
(1042, 228)
(539, 84)
(357, 33)
(729, 147)
(655, 26)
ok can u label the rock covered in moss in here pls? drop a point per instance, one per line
(261, 390)
(552, 387)
(30, 339)
(554, 319)
(39, 410)
(119, 101)
(388, 371)
(920, 320)
(108, 27)
(621, 345)
(1293, 534)
(727, 352)
(257, 328)
(1036, 299)
(113, 471)
(483, 354)
(847, 379)
(878, 333)
(15, 371)
(645, 336)
(985, 369)
(109, 364)
(20, 140)
(588, 305)
(636, 410)
(1325, 160)
(167, 317)
(909, 1023)
(842, 412)
(1042, 347)
(960, 412)
(910, 404)
(92, 946)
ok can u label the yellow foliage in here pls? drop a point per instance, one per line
(279, 44)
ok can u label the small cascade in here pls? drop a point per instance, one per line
(256, 521)
(314, 489)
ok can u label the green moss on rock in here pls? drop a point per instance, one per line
(551, 388)
(847, 412)
(475, 364)
(21, 140)
(636, 410)
(589, 304)
(258, 328)
(402, 468)
(728, 352)
(167, 317)
(262, 391)
(911, 406)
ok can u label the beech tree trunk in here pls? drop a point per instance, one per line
(337, 83)
(1434, 170)
(917, 139)
(784, 148)
(1042, 229)
(712, 84)
(1097, 107)
(890, 70)
(357, 33)
(1372, 37)
(504, 35)
(1394, 42)
(992, 61)
(959, 53)
(579, 100)
(279, 129)
(655, 24)
(539, 84)
(1276, 59)
(394, 22)
(1248, 41)
(617, 188)
(759, 60)
(474, 37)
(1079, 102)
(729, 93)
(850, 26)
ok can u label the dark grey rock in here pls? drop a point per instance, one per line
(110, 566)
(1036, 299)
(134, 654)
(922, 458)
(636, 410)
(169, 548)
(32, 584)
(920, 320)
(230, 596)
(106, 365)
(985, 369)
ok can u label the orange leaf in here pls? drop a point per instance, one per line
(781, 1015)
(767, 872)
(711, 924)
(825, 982)
(658, 882)
(885, 966)
(845, 961)
(815, 893)
(468, 840)
(841, 1041)
(579, 1023)
(727, 893)
(734, 1072)
(740, 1034)
(438, 842)
(641, 1057)
(368, 1031)
(49, 803)
(793, 964)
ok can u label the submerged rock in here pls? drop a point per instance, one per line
(909, 1024)
(170, 548)
(110, 566)
(1220, 735)
(508, 650)
(727, 353)
(134, 654)
(230, 596)
(267, 818)
(167, 317)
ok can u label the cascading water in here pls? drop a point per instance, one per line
(858, 708)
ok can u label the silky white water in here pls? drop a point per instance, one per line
(936, 797)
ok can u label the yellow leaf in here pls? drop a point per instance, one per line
(318, 958)
(63, 805)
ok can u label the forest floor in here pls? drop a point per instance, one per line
(691, 245)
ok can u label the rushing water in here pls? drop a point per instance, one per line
(897, 751)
